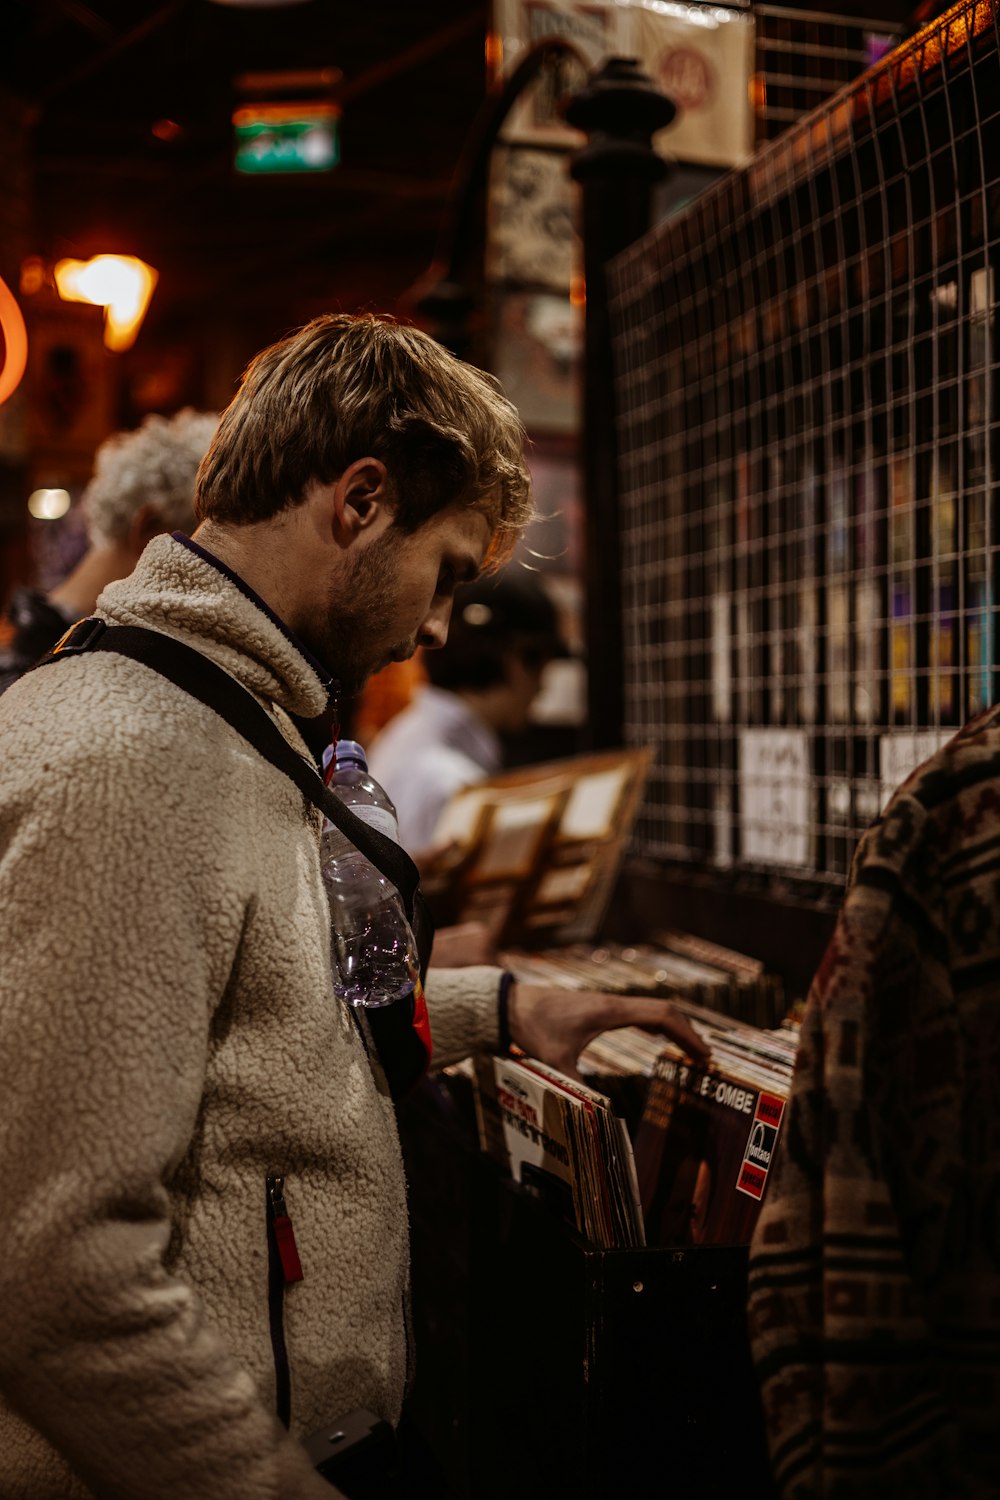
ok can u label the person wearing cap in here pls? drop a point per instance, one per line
(481, 686)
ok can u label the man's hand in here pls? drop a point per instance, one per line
(555, 1025)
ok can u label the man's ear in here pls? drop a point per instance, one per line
(360, 496)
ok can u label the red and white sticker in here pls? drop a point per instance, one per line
(760, 1146)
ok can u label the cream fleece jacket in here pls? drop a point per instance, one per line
(168, 1038)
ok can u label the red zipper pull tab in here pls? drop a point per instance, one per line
(334, 737)
(284, 1234)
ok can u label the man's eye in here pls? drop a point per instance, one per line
(446, 581)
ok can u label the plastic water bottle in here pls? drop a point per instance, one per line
(372, 944)
(356, 786)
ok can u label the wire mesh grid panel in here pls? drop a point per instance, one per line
(803, 56)
(807, 429)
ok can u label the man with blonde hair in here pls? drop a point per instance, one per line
(143, 483)
(209, 1254)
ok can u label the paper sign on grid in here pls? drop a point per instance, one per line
(903, 751)
(775, 797)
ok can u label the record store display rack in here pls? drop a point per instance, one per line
(807, 430)
(807, 418)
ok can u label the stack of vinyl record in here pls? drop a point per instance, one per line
(655, 1148)
(562, 1141)
(676, 965)
(706, 1138)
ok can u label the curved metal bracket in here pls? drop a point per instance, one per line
(442, 292)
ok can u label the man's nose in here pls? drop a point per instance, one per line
(434, 631)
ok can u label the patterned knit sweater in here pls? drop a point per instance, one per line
(875, 1267)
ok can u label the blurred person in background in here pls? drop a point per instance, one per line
(482, 683)
(143, 484)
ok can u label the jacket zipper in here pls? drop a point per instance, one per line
(283, 1267)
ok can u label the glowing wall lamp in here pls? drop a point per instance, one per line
(121, 284)
(15, 343)
(49, 505)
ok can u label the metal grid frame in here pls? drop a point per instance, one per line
(808, 450)
(804, 56)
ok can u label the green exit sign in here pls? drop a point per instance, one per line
(287, 137)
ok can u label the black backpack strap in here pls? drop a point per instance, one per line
(192, 671)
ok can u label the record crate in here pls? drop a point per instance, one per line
(548, 1368)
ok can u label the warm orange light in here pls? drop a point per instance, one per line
(279, 114)
(121, 284)
(494, 56)
(32, 275)
(577, 291)
(167, 130)
(15, 339)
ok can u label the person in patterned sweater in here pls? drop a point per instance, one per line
(875, 1267)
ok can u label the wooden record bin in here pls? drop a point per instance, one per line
(606, 1374)
(547, 1368)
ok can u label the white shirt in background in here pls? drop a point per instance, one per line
(425, 755)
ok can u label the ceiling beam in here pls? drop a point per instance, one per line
(411, 57)
(75, 10)
(113, 49)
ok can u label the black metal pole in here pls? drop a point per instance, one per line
(446, 296)
(619, 110)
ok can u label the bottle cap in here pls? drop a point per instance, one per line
(350, 752)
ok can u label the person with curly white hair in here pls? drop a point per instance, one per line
(143, 484)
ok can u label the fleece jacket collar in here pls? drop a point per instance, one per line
(183, 590)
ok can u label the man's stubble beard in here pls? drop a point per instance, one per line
(347, 636)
